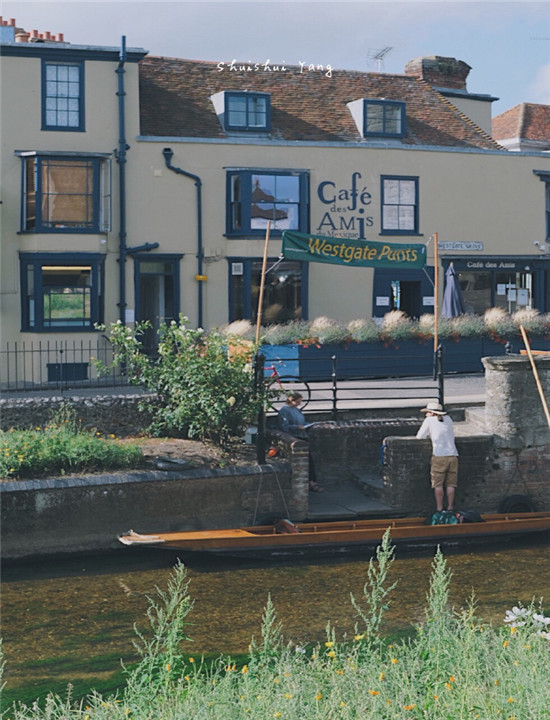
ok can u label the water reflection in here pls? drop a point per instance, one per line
(59, 616)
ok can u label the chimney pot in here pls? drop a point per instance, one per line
(22, 37)
(59, 37)
(12, 22)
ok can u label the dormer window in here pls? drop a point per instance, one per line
(247, 111)
(379, 118)
(243, 111)
(384, 118)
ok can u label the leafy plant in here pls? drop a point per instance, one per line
(202, 388)
(62, 447)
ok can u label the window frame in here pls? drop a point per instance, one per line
(37, 261)
(383, 204)
(100, 194)
(385, 104)
(246, 175)
(81, 127)
(230, 95)
(248, 263)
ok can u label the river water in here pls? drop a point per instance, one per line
(73, 619)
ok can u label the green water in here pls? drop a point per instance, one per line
(72, 621)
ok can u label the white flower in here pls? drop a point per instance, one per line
(544, 634)
(299, 649)
(247, 368)
(231, 401)
(540, 619)
(515, 614)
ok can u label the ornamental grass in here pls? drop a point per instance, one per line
(453, 667)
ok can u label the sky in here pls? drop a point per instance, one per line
(507, 44)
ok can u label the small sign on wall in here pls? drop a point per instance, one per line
(382, 301)
(428, 301)
(129, 315)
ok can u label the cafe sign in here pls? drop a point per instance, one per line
(352, 252)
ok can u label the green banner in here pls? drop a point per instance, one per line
(353, 253)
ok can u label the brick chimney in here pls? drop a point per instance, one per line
(439, 72)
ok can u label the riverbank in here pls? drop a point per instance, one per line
(458, 657)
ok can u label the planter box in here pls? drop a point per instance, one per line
(360, 360)
(402, 359)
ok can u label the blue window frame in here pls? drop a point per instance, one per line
(384, 118)
(247, 111)
(399, 198)
(63, 96)
(255, 197)
(65, 193)
(61, 291)
(285, 290)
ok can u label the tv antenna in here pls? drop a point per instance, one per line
(376, 57)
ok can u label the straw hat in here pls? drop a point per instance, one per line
(434, 407)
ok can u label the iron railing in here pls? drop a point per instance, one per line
(337, 391)
(59, 364)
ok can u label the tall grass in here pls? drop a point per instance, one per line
(454, 667)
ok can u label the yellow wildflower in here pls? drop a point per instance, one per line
(342, 703)
(382, 676)
(394, 661)
(452, 678)
(245, 669)
(329, 643)
(359, 637)
(277, 714)
(505, 644)
(510, 699)
(513, 630)
(191, 660)
(288, 696)
(448, 686)
(374, 692)
(332, 654)
(319, 696)
(409, 707)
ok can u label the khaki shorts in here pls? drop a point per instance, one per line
(444, 471)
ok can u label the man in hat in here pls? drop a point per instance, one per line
(438, 426)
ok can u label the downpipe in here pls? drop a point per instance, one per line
(168, 154)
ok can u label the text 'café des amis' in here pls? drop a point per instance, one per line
(140, 188)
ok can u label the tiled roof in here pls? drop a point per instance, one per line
(305, 106)
(527, 121)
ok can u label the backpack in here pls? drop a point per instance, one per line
(444, 517)
(468, 516)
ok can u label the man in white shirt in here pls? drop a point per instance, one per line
(438, 426)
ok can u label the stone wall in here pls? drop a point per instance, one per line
(70, 515)
(116, 414)
(514, 413)
(406, 474)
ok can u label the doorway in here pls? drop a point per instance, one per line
(157, 294)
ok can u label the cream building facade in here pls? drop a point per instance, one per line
(140, 188)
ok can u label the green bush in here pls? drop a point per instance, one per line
(202, 383)
(62, 447)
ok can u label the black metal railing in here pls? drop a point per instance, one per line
(60, 364)
(336, 391)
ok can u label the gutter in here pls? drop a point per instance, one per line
(168, 155)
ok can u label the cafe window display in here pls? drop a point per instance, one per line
(508, 288)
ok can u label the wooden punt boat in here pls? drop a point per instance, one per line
(347, 536)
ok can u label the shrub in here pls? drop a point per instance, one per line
(200, 390)
(62, 447)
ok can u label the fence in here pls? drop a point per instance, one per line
(335, 391)
(58, 364)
